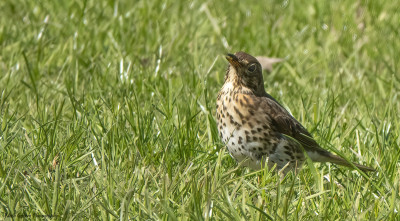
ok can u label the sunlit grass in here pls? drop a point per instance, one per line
(107, 108)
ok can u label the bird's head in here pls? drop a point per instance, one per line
(244, 70)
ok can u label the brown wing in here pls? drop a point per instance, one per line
(286, 124)
(289, 126)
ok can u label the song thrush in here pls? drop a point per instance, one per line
(257, 129)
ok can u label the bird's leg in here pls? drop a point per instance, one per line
(283, 171)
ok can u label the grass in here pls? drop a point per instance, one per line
(107, 108)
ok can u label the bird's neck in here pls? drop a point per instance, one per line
(233, 82)
(238, 87)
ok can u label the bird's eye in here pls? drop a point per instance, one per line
(252, 68)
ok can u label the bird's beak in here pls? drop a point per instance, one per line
(233, 60)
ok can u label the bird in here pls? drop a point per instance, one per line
(257, 130)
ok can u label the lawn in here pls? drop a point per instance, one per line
(107, 108)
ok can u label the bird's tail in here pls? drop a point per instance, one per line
(326, 156)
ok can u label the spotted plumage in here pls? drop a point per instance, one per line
(256, 128)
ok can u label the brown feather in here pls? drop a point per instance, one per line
(286, 124)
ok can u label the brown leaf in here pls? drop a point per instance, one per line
(267, 62)
(55, 162)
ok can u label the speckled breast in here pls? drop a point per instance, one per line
(243, 129)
